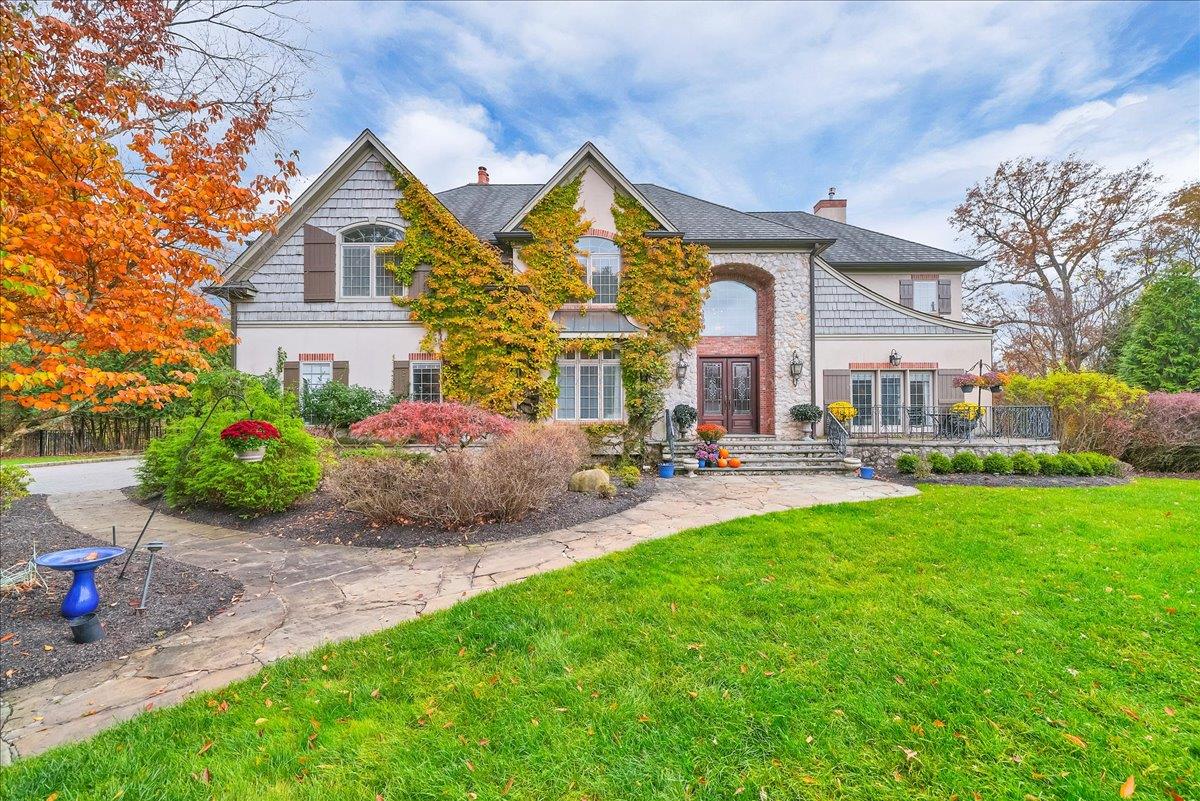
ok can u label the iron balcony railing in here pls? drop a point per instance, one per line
(894, 422)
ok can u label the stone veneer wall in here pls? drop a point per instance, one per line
(789, 269)
(885, 453)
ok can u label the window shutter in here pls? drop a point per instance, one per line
(947, 393)
(943, 296)
(320, 265)
(420, 279)
(291, 376)
(341, 372)
(400, 379)
(837, 386)
(906, 292)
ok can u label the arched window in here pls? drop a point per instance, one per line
(601, 260)
(731, 310)
(363, 259)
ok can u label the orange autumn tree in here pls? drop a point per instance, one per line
(109, 220)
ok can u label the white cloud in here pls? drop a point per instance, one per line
(913, 199)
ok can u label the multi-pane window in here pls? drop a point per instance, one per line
(891, 397)
(731, 310)
(314, 375)
(425, 382)
(365, 259)
(862, 396)
(601, 260)
(589, 388)
(920, 398)
(925, 296)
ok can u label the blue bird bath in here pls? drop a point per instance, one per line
(82, 599)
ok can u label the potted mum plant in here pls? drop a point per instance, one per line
(966, 416)
(710, 432)
(249, 438)
(843, 412)
(707, 455)
(807, 414)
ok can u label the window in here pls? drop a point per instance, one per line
(589, 388)
(891, 397)
(731, 310)
(425, 382)
(314, 375)
(601, 260)
(925, 296)
(920, 398)
(364, 262)
(862, 397)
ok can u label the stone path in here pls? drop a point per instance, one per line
(300, 596)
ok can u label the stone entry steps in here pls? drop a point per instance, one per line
(763, 454)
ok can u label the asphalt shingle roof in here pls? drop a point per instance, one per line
(487, 208)
(856, 245)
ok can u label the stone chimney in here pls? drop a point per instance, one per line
(831, 209)
(483, 178)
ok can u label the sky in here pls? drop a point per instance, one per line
(900, 106)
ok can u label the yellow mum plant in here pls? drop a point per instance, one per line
(843, 411)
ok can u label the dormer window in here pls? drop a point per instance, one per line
(601, 260)
(363, 262)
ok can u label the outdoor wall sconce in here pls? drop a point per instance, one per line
(681, 369)
(894, 358)
(796, 368)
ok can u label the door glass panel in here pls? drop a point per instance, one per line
(920, 398)
(713, 387)
(862, 396)
(742, 384)
(890, 397)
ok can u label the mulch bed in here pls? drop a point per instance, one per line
(989, 480)
(319, 519)
(35, 641)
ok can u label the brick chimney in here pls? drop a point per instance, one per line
(483, 176)
(831, 209)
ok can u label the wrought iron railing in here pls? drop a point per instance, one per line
(888, 422)
(838, 436)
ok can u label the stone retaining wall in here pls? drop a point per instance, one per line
(878, 454)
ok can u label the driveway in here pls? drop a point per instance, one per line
(301, 596)
(84, 476)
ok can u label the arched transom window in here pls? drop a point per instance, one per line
(364, 260)
(731, 310)
(601, 260)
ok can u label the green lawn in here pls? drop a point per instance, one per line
(1013, 643)
(33, 461)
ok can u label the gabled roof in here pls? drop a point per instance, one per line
(703, 221)
(311, 199)
(861, 247)
(485, 208)
(584, 155)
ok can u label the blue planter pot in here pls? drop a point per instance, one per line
(666, 470)
(866, 472)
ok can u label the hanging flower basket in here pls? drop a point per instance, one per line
(967, 382)
(995, 381)
(249, 438)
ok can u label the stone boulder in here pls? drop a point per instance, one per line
(588, 480)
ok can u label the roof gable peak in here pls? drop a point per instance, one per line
(588, 155)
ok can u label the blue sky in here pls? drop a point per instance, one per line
(900, 106)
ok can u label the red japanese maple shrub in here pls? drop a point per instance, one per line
(442, 425)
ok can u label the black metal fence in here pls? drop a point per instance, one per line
(89, 436)
(886, 422)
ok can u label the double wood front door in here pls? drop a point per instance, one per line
(729, 393)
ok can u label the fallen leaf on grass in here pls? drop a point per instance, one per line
(259, 721)
(1170, 712)
(203, 776)
(1073, 740)
(909, 754)
(508, 785)
(205, 747)
(1128, 787)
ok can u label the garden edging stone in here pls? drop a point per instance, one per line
(301, 596)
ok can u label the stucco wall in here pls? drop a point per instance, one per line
(369, 349)
(888, 285)
(596, 200)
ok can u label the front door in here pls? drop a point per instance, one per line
(729, 393)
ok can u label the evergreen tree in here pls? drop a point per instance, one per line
(1162, 349)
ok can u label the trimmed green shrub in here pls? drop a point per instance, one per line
(336, 405)
(940, 463)
(907, 463)
(14, 485)
(1025, 464)
(966, 462)
(1048, 464)
(211, 474)
(1099, 464)
(628, 474)
(1070, 465)
(997, 464)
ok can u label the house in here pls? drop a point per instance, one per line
(804, 307)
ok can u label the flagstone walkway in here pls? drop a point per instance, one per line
(300, 596)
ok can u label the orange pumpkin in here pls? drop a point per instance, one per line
(722, 463)
(735, 462)
(724, 454)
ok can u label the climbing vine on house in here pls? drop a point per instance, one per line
(495, 337)
(664, 284)
(552, 267)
